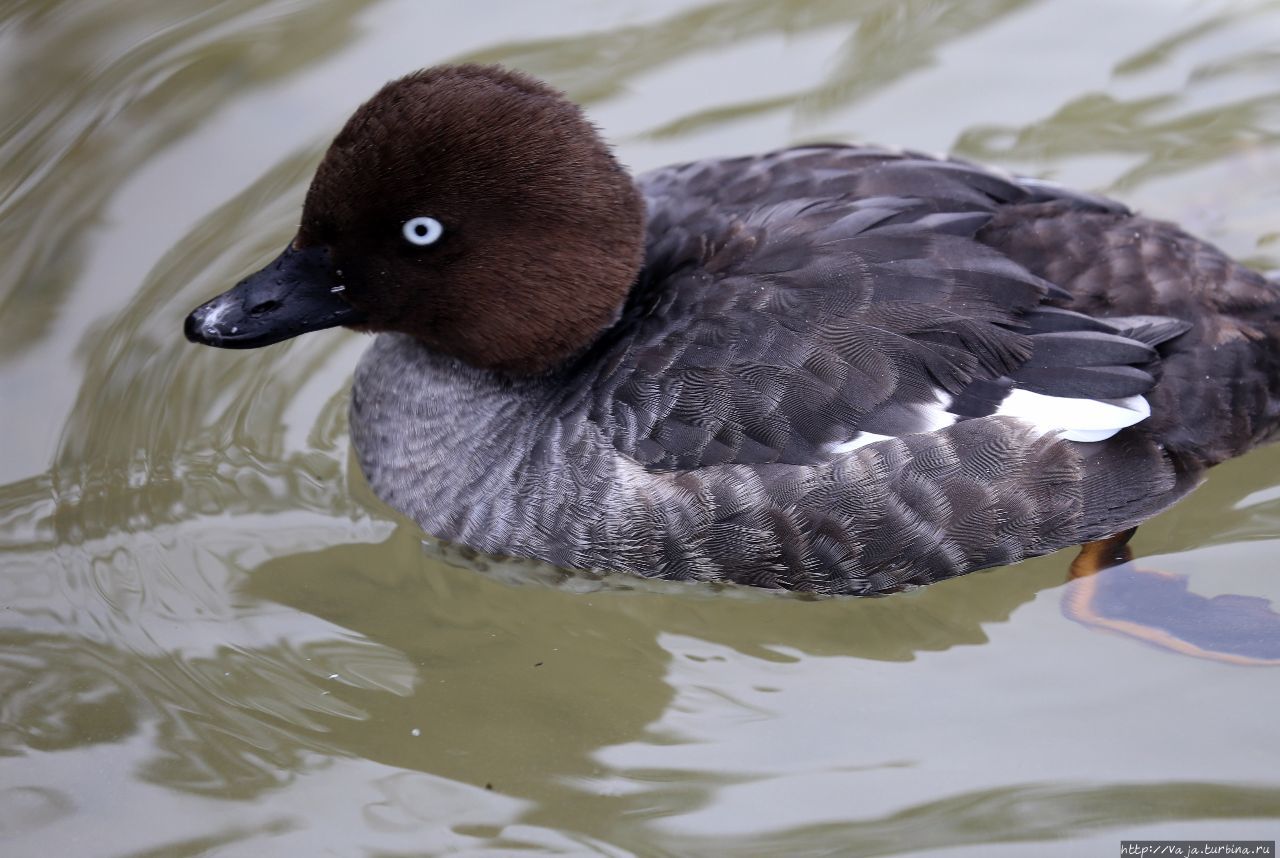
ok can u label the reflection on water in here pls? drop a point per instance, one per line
(215, 640)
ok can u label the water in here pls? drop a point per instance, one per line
(216, 641)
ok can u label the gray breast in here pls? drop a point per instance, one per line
(491, 462)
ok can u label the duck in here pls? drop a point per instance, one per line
(833, 369)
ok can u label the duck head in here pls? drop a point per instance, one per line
(471, 207)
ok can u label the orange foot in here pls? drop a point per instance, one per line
(1107, 591)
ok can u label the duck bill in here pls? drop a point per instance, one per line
(294, 294)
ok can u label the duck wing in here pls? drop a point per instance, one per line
(798, 305)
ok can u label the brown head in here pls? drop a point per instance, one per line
(471, 207)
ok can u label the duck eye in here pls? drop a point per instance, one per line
(422, 231)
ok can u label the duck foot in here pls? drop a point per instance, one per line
(1103, 554)
(1158, 608)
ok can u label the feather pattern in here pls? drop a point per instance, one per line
(804, 387)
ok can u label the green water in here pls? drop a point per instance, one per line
(214, 641)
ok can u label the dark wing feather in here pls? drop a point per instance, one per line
(799, 329)
(792, 301)
(1209, 317)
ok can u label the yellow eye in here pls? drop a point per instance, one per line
(422, 231)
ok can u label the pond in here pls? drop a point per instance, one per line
(216, 641)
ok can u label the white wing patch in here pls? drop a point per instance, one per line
(931, 417)
(1075, 419)
(863, 439)
(1084, 420)
(937, 414)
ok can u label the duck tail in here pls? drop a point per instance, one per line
(1150, 330)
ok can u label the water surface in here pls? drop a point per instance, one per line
(216, 641)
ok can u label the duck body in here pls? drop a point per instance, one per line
(835, 369)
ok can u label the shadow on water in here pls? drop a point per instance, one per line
(888, 39)
(1165, 133)
(525, 713)
(1022, 814)
(107, 86)
(467, 677)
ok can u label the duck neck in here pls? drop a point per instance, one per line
(475, 456)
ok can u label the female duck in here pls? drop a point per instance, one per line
(835, 369)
